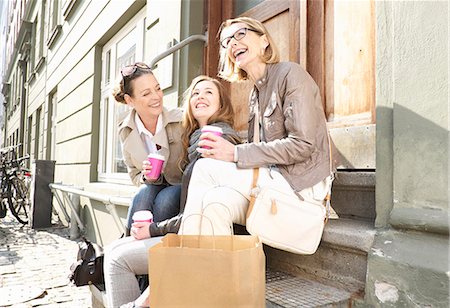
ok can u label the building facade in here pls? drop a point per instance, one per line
(382, 68)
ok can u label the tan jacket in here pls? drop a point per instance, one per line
(169, 138)
(293, 127)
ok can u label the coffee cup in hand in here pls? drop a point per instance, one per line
(143, 216)
(213, 130)
(157, 162)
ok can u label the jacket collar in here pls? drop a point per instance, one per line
(161, 138)
(261, 83)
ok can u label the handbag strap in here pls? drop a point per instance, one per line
(253, 191)
(256, 131)
(327, 199)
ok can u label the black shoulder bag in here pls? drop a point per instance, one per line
(88, 269)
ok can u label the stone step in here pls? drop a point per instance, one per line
(285, 290)
(353, 195)
(409, 269)
(282, 290)
(340, 260)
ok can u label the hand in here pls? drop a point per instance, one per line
(221, 149)
(146, 169)
(140, 230)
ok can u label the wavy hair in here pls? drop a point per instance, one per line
(227, 69)
(125, 86)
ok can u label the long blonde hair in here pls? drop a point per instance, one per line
(227, 69)
(190, 124)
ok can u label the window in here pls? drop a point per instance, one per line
(39, 37)
(37, 133)
(33, 50)
(53, 14)
(29, 135)
(54, 26)
(51, 130)
(126, 47)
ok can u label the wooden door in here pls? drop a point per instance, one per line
(341, 58)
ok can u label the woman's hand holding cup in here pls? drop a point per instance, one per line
(213, 146)
(141, 222)
(146, 169)
(152, 167)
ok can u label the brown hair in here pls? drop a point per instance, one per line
(190, 124)
(125, 86)
(227, 69)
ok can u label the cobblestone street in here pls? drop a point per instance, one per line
(34, 266)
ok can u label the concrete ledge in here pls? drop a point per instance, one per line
(408, 269)
(420, 219)
(353, 234)
(118, 190)
(358, 179)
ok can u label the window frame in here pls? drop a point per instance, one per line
(108, 137)
(54, 22)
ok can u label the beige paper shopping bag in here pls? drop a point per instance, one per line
(207, 271)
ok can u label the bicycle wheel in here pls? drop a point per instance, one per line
(18, 200)
(2, 209)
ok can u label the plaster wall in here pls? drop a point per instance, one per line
(412, 106)
(408, 262)
(421, 104)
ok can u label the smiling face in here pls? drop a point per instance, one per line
(247, 51)
(204, 101)
(147, 97)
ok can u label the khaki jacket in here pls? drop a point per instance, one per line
(169, 138)
(294, 133)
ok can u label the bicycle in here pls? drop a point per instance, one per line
(15, 183)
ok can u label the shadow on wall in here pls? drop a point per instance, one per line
(420, 159)
(412, 161)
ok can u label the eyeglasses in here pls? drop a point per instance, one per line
(129, 70)
(238, 35)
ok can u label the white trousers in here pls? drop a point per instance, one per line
(124, 259)
(221, 192)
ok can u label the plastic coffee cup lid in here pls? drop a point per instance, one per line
(142, 216)
(157, 156)
(211, 128)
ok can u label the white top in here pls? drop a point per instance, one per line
(147, 136)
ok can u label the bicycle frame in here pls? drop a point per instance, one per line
(14, 187)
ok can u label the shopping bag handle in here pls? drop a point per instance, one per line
(200, 232)
(231, 227)
(204, 208)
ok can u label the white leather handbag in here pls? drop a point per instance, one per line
(284, 221)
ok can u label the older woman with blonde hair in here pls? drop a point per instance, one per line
(287, 117)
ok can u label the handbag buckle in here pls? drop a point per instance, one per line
(254, 192)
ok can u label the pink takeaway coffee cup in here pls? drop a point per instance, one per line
(157, 162)
(211, 129)
(143, 216)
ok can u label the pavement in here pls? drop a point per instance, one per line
(34, 267)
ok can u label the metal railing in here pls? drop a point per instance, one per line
(71, 195)
(186, 41)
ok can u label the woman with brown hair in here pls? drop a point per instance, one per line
(149, 128)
